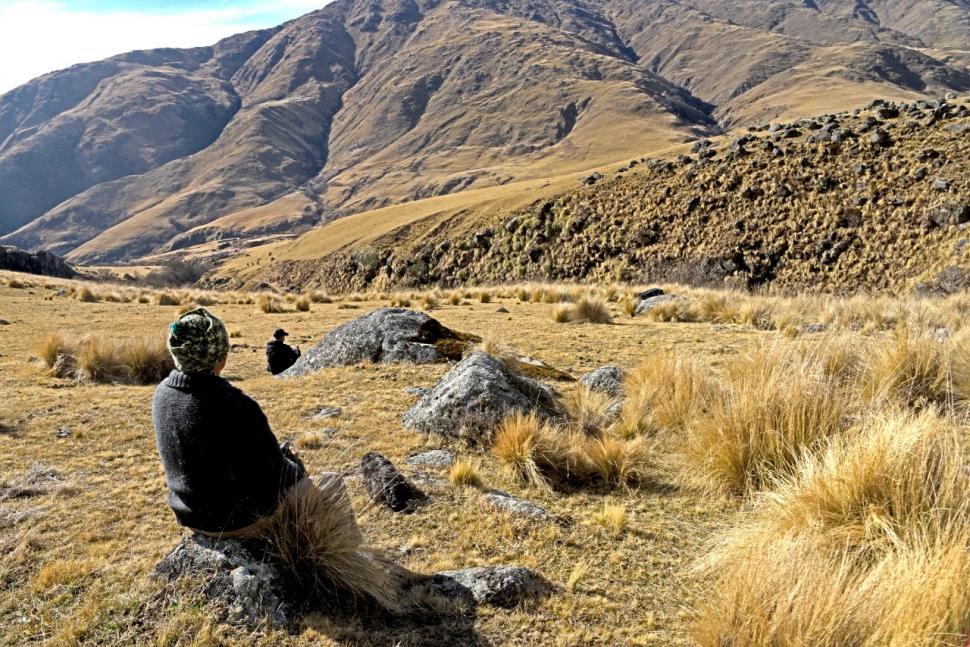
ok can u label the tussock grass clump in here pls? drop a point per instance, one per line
(17, 284)
(86, 295)
(315, 537)
(484, 297)
(612, 517)
(166, 299)
(666, 392)
(866, 543)
(587, 310)
(319, 297)
(465, 473)
(268, 304)
(302, 304)
(589, 411)
(52, 346)
(776, 403)
(143, 360)
(541, 455)
(429, 302)
(674, 311)
(400, 301)
(912, 369)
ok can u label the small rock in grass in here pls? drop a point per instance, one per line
(497, 586)
(605, 379)
(516, 507)
(386, 485)
(432, 458)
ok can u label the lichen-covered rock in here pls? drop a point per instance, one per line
(497, 586)
(516, 507)
(605, 379)
(432, 458)
(646, 305)
(385, 336)
(250, 588)
(472, 398)
(65, 367)
(386, 485)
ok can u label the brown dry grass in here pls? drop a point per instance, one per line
(625, 587)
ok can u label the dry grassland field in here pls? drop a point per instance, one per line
(780, 472)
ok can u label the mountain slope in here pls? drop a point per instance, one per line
(369, 103)
(838, 203)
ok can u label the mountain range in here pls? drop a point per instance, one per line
(367, 104)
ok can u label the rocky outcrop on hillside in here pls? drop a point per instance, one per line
(874, 199)
(45, 263)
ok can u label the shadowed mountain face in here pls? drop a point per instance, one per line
(367, 103)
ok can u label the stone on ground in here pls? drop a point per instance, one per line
(646, 305)
(475, 396)
(605, 379)
(250, 588)
(432, 458)
(516, 507)
(386, 485)
(385, 336)
(497, 586)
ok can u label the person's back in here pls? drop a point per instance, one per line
(279, 355)
(223, 466)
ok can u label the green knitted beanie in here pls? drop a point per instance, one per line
(198, 341)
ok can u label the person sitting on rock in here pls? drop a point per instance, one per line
(280, 356)
(225, 470)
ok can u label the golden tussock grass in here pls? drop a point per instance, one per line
(586, 310)
(138, 360)
(51, 347)
(867, 542)
(484, 297)
(86, 295)
(542, 455)
(165, 299)
(316, 538)
(17, 284)
(612, 517)
(303, 304)
(60, 572)
(589, 411)
(268, 304)
(465, 473)
(429, 302)
(666, 392)
(775, 403)
(915, 369)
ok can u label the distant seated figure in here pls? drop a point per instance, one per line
(225, 470)
(280, 356)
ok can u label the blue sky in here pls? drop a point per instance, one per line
(39, 36)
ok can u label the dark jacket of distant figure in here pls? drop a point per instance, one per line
(280, 356)
(223, 465)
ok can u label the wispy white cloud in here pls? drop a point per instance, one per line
(39, 36)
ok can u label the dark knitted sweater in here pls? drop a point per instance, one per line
(223, 465)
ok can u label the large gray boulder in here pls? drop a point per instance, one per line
(385, 336)
(249, 588)
(475, 396)
(646, 305)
